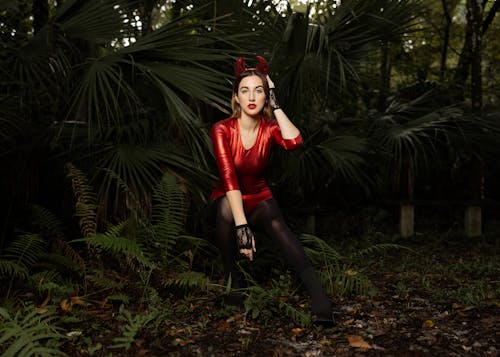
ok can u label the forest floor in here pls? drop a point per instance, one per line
(440, 299)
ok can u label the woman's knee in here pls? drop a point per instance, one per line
(224, 213)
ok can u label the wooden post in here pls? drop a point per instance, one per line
(473, 221)
(407, 220)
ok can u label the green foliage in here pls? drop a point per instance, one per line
(274, 300)
(132, 327)
(85, 205)
(30, 332)
(339, 273)
(111, 241)
(188, 280)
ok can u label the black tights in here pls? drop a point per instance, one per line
(265, 218)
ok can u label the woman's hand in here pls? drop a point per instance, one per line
(245, 240)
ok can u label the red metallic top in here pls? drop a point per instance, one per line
(244, 169)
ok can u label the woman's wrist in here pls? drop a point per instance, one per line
(273, 101)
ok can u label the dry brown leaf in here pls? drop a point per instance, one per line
(348, 322)
(297, 330)
(358, 342)
(65, 305)
(77, 300)
(428, 324)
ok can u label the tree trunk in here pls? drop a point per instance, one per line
(385, 76)
(147, 16)
(465, 58)
(446, 40)
(475, 16)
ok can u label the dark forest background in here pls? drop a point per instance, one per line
(106, 163)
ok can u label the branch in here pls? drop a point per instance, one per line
(491, 15)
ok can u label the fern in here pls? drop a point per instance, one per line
(188, 279)
(48, 224)
(30, 334)
(169, 212)
(86, 202)
(25, 249)
(11, 269)
(110, 241)
(336, 271)
(134, 324)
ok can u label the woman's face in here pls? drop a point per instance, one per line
(251, 96)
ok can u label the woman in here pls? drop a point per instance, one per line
(242, 200)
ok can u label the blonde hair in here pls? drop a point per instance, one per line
(266, 111)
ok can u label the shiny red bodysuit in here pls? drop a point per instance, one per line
(242, 169)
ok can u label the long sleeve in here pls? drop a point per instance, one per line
(223, 157)
(287, 144)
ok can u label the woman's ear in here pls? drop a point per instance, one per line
(236, 98)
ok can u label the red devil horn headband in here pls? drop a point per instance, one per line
(239, 66)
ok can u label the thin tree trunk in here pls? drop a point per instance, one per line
(465, 58)
(147, 16)
(475, 16)
(385, 76)
(446, 40)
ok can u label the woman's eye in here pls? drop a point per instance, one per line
(260, 91)
(243, 90)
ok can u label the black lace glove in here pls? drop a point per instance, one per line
(244, 236)
(273, 102)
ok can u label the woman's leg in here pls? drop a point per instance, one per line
(226, 242)
(267, 217)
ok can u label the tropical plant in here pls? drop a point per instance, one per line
(340, 274)
(30, 332)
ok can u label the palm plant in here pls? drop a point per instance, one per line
(72, 91)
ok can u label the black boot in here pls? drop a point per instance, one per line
(235, 297)
(321, 307)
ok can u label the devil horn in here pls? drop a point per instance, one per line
(262, 67)
(239, 67)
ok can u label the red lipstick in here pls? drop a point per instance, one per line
(252, 106)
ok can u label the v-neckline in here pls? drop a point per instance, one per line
(256, 137)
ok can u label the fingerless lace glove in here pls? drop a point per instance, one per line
(244, 236)
(273, 102)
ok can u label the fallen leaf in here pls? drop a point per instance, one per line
(428, 324)
(297, 330)
(65, 305)
(357, 342)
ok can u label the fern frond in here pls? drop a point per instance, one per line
(381, 248)
(134, 324)
(11, 269)
(48, 224)
(86, 201)
(68, 251)
(318, 250)
(25, 249)
(110, 241)
(342, 280)
(30, 334)
(169, 211)
(188, 279)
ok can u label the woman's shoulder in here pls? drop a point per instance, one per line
(224, 123)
